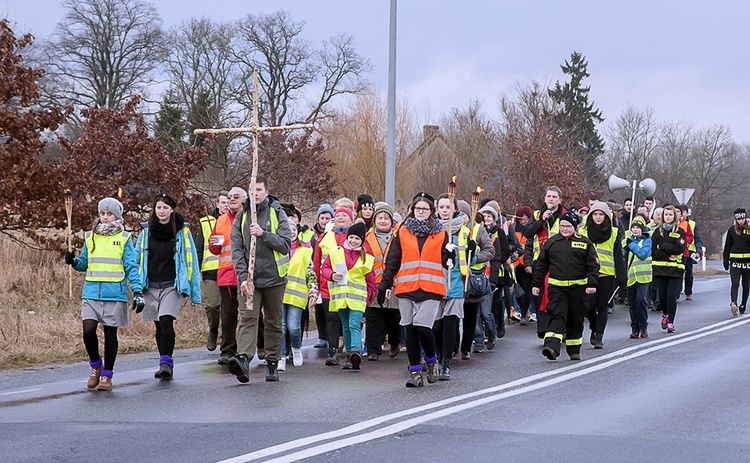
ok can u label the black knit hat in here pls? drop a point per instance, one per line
(572, 218)
(166, 199)
(364, 200)
(739, 213)
(424, 196)
(358, 229)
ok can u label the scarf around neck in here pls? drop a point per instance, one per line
(421, 228)
(456, 223)
(109, 229)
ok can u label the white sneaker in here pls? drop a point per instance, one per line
(735, 310)
(282, 364)
(297, 359)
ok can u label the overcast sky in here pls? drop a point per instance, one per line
(688, 60)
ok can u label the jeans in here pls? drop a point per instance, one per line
(637, 296)
(485, 314)
(291, 323)
(351, 323)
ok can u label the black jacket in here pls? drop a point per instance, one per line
(736, 244)
(572, 258)
(665, 244)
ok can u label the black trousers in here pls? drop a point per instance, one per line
(566, 313)
(669, 290)
(381, 322)
(736, 273)
(229, 313)
(471, 309)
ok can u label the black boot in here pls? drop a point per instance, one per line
(272, 373)
(445, 370)
(213, 337)
(239, 366)
(599, 342)
(332, 359)
(432, 374)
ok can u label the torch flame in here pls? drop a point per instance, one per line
(453, 179)
(479, 189)
(120, 192)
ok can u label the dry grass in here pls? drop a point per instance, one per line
(38, 324)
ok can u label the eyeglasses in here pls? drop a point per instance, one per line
(234, 196)
(421, 209)
(566, 226)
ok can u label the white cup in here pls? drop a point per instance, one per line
(219, 239)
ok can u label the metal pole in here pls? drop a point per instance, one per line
(390, 143)
(632, 206)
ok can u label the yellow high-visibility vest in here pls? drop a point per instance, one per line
(105, 258)
(209, 261)
(282, 260)
(296, 291)
(353, 293)
(605, 251)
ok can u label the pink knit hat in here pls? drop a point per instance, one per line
(345, 210)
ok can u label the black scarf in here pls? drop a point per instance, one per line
(597, 235)
(165, 231)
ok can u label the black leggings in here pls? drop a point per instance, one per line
(471, 309)
(91, 341)
(416, 336)
(445, 335)
(668, 289)
(735, 273)
(165, 335)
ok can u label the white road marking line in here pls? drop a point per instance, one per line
(22, 391)
(584, 368)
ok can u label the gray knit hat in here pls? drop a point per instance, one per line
(382, 206)
(112, 205)
(464, 207)
(488, 208)
(323, 209)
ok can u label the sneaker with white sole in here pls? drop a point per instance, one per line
(735, 310)
(297, 359)
(664, 322)
(532, 317)
(282, 364)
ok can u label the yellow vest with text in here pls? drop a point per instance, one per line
(105, 257)
(353, 293)
(208, 261)
(296, 291)
(282, 260)
(474, 233)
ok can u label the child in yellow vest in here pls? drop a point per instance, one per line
(352, 286)
(108, 258)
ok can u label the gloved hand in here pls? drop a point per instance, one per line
(70, 258)
(139, 302)
(449, 263)
(471, 246)
(726, 265)
(381, 297)
(630, 240)
(514, 256)
(450, 247)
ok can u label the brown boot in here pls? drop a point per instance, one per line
(94, 378)
(105, 384)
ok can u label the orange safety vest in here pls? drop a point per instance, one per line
(225, 276)
(685, 225)
(522, 241)
(421, 270)
(378, 253)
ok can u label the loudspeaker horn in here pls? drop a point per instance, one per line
(647, 186)
(616, 183)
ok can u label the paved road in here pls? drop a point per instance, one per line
(677, 397)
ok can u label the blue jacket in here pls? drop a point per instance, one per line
(456, 290)
(111, 291)
(188, 278)
(641, 253)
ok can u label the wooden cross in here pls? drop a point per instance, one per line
(255, 129)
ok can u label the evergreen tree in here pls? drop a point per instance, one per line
(170, 124)
(577, 117)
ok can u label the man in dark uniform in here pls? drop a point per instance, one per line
(573, 267)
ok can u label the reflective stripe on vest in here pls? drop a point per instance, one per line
(734, 255)
(474, 233)
(379, 262)
(296, 291)
(282, 260)
(639, 270)
(352, 294)
(551, 231)
(462, 240)
(208, 261)
(605, 252)
(306, 236)
(565, 283)
(223, 227)
(421, 269)
(105, 257)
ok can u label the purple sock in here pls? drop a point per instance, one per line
(107, 373)
(413, 368)
(97, 364)
(166, 359)
(432, 359)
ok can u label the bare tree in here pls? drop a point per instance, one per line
(102, 52)
(633, 144)
(289, 67)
